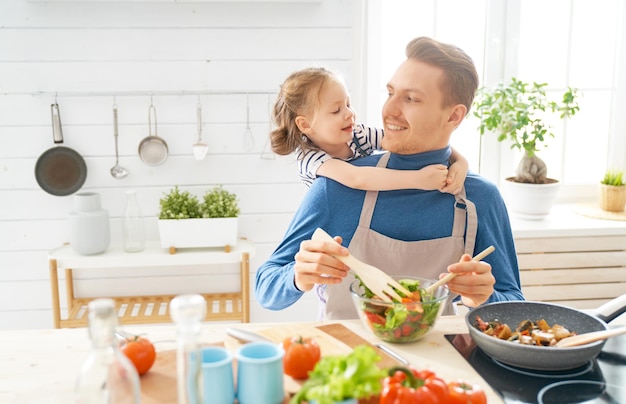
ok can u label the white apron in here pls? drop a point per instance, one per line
(424, 258)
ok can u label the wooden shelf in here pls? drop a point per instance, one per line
(154, 308)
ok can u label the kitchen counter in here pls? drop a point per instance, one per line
(565, 220)
(47, 361)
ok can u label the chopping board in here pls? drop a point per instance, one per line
(158, 386)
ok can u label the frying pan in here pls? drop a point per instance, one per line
(152, 149)
(60, 170)
(540, 357)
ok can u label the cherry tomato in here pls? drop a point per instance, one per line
(141, 353)
(461, 392)
(301, 355)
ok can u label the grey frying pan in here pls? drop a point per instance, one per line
(539, 357)
(60, 171)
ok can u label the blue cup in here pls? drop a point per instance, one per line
(260, 373)
(218, 385)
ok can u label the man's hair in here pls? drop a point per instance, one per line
(460, 77)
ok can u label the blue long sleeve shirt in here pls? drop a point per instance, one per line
(408, 215)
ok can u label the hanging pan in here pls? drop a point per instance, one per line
(60, 170)
(152, 149)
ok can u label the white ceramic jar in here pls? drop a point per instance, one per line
(89, 230)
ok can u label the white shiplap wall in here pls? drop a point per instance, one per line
(86, 51)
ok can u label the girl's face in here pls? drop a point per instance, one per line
(330, 125)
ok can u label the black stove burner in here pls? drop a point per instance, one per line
(559, 374)
(595, 382)
(585, 392)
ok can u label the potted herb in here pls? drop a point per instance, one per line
(515, 112)
(185, 221)
(613, 191)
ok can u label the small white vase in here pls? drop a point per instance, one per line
(89, 231)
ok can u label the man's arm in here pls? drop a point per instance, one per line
(299, 263)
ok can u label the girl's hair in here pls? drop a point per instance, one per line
(460, 76)
(299, 95)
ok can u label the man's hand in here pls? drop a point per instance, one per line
(315, 264)
(474, 281)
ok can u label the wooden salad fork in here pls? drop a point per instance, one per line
(379, 282)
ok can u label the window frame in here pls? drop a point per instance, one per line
(502, 25)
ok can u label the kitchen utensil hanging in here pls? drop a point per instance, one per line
(268, 154)
(248, 138)
(117, 171)
(60, 171)
(200, 148)
(152, 149)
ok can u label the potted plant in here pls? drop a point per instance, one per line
(186, 222)
(515, 112)
(613, 191)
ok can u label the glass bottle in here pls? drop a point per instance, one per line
(134, 238)
(188, 312)
(107, 375)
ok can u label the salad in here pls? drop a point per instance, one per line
(400, 321)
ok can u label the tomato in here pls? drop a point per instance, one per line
(375, 318)
(461, 392)
(141, 353)
(301, 355)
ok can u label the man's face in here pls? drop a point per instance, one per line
(414, 117)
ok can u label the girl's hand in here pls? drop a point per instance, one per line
(315, 263)
(456, 177)
(431, 177)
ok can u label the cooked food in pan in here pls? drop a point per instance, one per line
(527, 332)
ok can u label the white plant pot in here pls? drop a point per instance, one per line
(530, 201)
(192, 233)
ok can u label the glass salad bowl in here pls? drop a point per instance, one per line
(405, 321)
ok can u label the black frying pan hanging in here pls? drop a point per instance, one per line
(60, 170)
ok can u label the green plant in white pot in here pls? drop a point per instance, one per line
(613, 191)
(516, 113)
(186, 222)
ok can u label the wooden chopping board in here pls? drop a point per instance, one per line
(158, 386)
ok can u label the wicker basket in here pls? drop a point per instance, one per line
(612, 198)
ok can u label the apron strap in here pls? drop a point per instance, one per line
(367, 211)
(465, 212)
(465, 217)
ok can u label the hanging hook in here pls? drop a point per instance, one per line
(248, 138)
(268, 155)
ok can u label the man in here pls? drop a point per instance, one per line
(405, 232)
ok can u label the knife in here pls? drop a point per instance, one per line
(246, 336)
(393, 354)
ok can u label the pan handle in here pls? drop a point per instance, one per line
(612, 309)
(57, 132)
(152, 111)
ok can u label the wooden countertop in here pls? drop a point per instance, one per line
(47, 361)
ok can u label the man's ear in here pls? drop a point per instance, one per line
(303, 124)
(457, 114)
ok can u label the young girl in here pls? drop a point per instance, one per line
(314, 119)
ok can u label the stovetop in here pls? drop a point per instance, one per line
(602, 380)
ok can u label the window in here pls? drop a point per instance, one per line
(577, 43)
